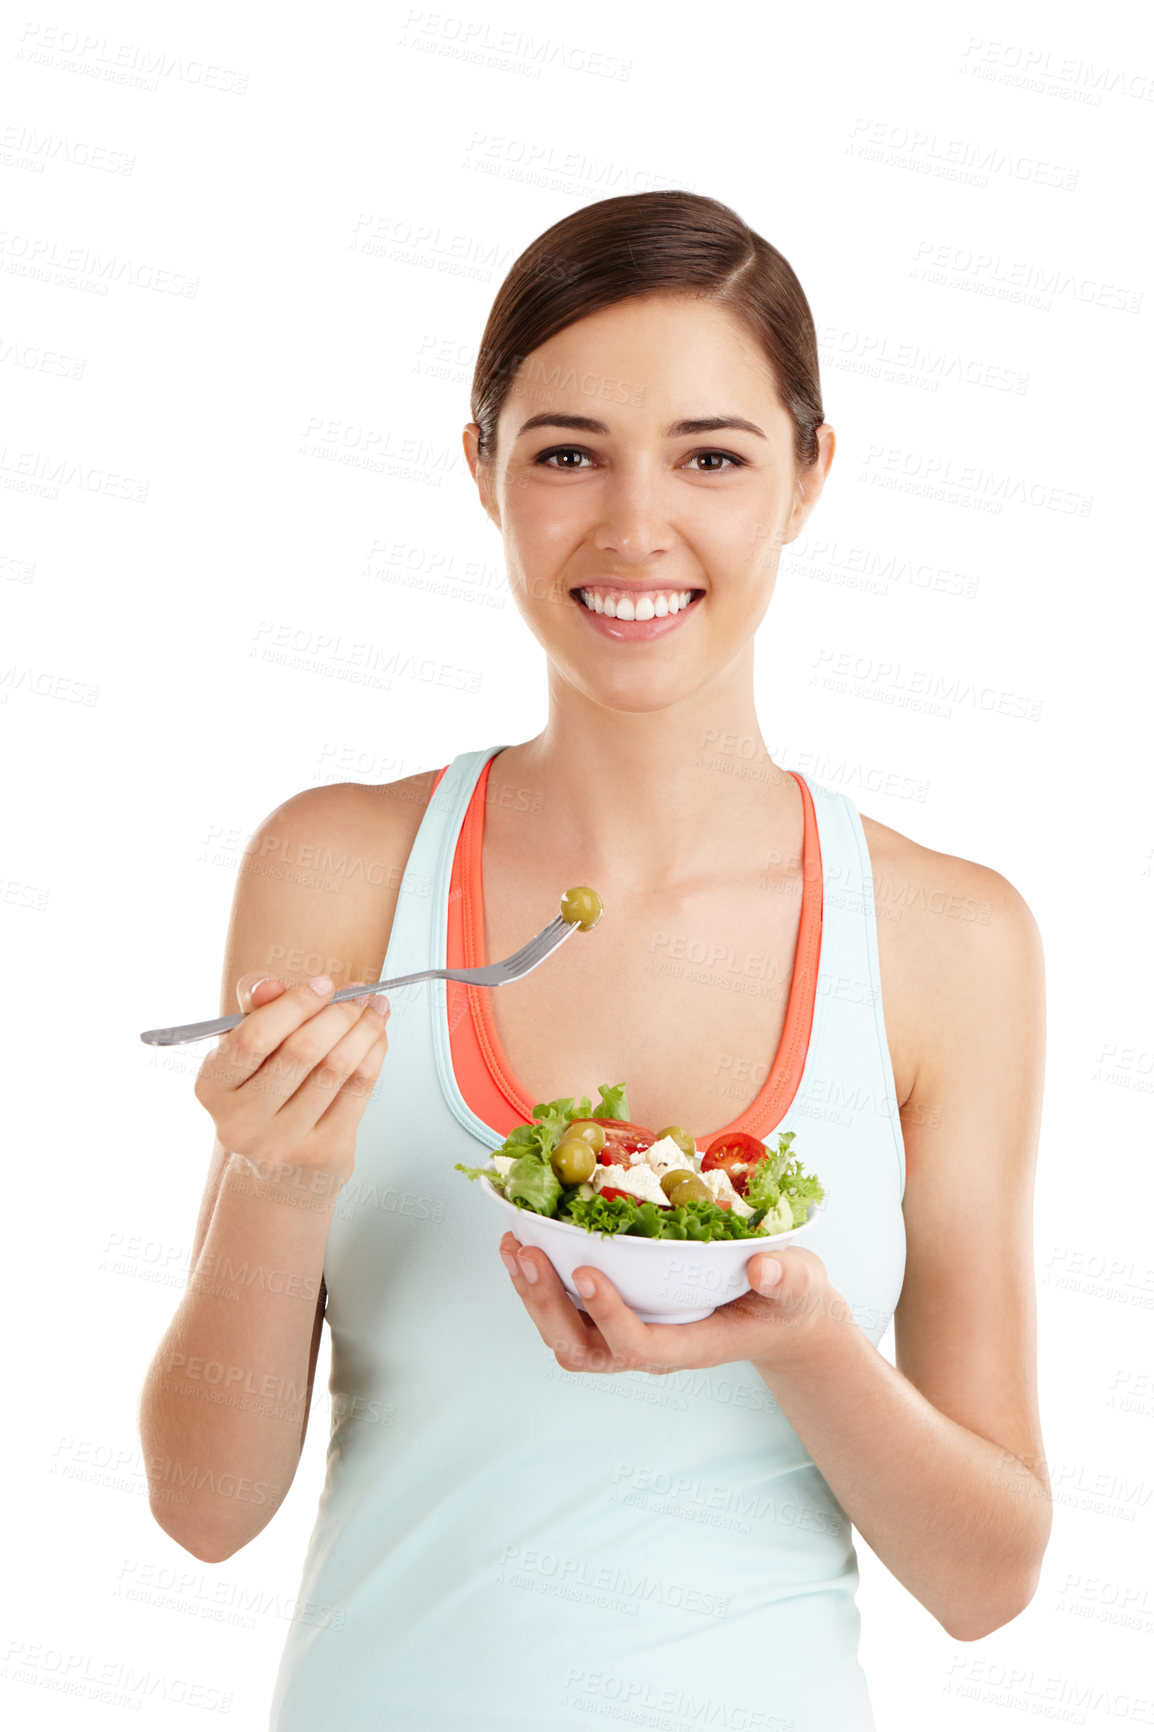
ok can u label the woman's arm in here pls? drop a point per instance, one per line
(225, 1403)
(939, 1463)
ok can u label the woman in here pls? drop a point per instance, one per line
(535, 1517)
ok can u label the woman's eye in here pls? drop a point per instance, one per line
(560, 451)
(735, 462)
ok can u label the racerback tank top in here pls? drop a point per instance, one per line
(505, 1546)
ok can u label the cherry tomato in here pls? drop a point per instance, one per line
(612, 1191)
(737, 1154)
(621, 1138)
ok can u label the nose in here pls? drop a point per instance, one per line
(635, 517)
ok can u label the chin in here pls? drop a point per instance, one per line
(636, 695)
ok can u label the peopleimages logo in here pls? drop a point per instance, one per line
(889, 682)
(993, 487)
(962, 159)
(1022, 281)
(1039, 69)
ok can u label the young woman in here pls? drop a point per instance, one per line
(536, 1517)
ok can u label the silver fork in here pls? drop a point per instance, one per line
(521, 962)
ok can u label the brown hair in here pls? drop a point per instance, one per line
(640, 244)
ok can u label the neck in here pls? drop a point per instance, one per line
(654, 798)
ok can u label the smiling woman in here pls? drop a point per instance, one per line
(534, 1515)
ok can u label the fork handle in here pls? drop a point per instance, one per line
(187, 1032)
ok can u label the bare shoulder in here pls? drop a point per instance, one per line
(354, 812)
(953, 935)
(326, 866)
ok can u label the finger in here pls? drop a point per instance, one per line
(313, 1062)
(764, 1274)
(794, 1278)
(634, 1345)
(254, 989)
(277, 1045)
(355, 1063)
(270, 1018)
(574, 1340)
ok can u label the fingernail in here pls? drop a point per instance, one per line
(260, 982)
(527, 1269)
(380, 1004)
(770, 1273)
(321, 985)
(510, 1262)
(584, 1286)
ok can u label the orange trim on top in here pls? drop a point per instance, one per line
(482, 1074)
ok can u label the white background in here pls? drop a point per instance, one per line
(217, 282)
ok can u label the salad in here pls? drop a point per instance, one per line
(596, 1169)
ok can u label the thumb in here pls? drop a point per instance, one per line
(794, 1278)
(254, 989)
(765, 1274)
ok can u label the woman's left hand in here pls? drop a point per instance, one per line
(774, 1326)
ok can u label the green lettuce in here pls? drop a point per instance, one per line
(699, 1219)
(613, 1102)
(780, 1175)
(495, 1179)
(533, 1182)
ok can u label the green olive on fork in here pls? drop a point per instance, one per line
(581, 907)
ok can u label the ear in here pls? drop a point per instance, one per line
(810, 483)
(479, 470)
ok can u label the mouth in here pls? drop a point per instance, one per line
(634, 603)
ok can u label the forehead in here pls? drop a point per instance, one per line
(655, 353)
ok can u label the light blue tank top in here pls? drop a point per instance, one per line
(505, 1546)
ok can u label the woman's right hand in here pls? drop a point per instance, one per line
(287, 1087)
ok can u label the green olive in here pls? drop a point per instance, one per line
(581, 907)
(589, 1133)
(686, 1187)
(682, 1138)
(673, 1178)
(573, 1161)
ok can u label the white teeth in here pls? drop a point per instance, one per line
(653, 604)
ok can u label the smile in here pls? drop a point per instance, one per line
(630, 614)
(640, 605)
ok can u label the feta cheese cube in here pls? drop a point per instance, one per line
(718, 1181)
(502, 1163)
(640, 1181)
(664, 1155)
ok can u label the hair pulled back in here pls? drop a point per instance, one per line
(647, 243)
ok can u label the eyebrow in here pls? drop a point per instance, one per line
(675, 430)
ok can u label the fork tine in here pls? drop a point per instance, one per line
(538, 948)
(540, 944)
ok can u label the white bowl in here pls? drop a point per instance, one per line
(663, 1280)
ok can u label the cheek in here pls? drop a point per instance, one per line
(540, 547)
